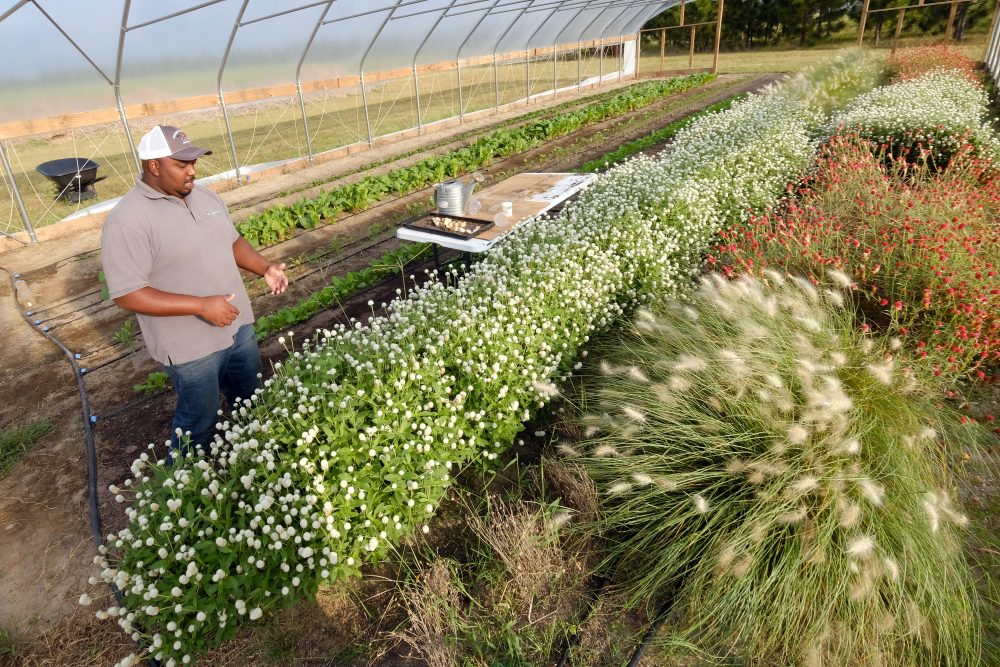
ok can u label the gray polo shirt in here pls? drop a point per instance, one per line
(183, 246)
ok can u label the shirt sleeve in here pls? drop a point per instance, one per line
(127, 257)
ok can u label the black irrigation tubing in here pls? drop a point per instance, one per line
(103, 304)
(114, 412)
(654, 628)
(661, 616)
(112, 360)
(95, 510)
(574, 639)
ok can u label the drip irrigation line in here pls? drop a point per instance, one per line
(73, 298)
(103, 305)
(96, 529)
(343, 259)
(112, 360)
(574, 639)
(128, 406)
(654, 629)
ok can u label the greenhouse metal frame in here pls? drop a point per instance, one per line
(528, 30)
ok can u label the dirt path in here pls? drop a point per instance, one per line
(45, 547)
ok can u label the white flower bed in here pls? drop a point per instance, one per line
(935, 112)
(353, 443)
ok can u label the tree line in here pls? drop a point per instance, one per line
(750, 23)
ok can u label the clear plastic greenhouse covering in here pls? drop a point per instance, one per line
(179, 49)
(369, 67)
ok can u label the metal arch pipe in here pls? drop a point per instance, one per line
(364, 94)
(527, 52)
(621, 37)
(17, 6)
(379, 10)
(635, 25)
(465, 3)
(298, 75)
(416, 54)
(117, 84)
(555, 39)
(555, 51)
(600, 75)
(21, 210)
(504, 8)
(222, 95)
(586, 29)
(656, 8)
(496, 74)
(458, 59)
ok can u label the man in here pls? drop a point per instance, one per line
(172, 255)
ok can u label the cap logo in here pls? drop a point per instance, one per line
(179, 134)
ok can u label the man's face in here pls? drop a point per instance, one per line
(172, 177)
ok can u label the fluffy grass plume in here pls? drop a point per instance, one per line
(782, 483)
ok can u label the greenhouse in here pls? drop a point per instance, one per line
(499, 332)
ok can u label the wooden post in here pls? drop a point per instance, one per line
(950, 30)
(899, 30)
(993, 25)
(864, 20)
(718, 38)
(681, 24)
(691, 53)
(663, 46)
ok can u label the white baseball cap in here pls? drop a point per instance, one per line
(169, 141)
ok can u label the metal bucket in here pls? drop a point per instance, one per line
(451, 197)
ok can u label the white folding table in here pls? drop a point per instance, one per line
(531, 195)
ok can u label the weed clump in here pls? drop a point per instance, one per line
(771, 470)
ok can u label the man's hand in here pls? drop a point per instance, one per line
(218, 310)
(275, 278)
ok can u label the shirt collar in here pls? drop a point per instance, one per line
(153, 193)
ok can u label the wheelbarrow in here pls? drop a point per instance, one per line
(73, 177)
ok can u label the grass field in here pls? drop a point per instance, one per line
(785, 59)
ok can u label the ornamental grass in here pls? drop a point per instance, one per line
(763, 467)
(923, 249)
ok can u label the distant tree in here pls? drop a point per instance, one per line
(749, 23)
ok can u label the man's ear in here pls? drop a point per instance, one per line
(153, 166)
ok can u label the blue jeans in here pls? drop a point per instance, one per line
(197, 383)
